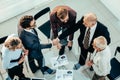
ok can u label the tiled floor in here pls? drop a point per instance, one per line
(81, 7)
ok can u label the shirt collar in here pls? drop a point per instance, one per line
(94, 27)
(30, 30)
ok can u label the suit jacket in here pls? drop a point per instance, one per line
(56, 23)
(32, 42)
(101, 30)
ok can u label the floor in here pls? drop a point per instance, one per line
(81, 7)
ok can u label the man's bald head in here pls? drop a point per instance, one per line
(89, 19)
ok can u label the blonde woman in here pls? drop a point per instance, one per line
(13, 55)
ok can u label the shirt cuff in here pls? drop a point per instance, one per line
(70, 40)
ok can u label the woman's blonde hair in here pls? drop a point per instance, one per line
(13, 43)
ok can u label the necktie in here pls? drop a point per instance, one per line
(86, 39)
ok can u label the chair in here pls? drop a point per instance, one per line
(45, 27)
(115, 67)
(2, 39)
(0, 70)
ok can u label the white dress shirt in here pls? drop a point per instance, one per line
(30, 30)
(8, 55)
(101, 62)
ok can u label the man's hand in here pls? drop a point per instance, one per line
(59, 46)
(21, 60)
(25, 52)
(70, 43)
(89, 63)
(55, 41)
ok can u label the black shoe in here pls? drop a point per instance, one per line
(50, 71)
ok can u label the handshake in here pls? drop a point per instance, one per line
(56, 42)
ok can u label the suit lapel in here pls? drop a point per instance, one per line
(35, 31)
(30, 34)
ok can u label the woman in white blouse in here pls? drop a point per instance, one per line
(13, 55)
(100, 59)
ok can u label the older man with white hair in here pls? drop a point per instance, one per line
(100, 59)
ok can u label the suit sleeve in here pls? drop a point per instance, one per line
(106, 34)
(72, 24)
(53, 25)
(44, 46)
(71, 30)
(30, 43)
(6, 58)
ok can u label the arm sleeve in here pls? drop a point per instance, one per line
(101, 68)
(54, 25)
(71, 30)
(72, 24)
(31, 43)
(106, 34)
(97, 69)
(6, 60)
(44, 46)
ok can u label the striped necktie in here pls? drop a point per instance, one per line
(86, 39)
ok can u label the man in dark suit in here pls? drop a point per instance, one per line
(31, 42)
(88, 21)
(61, 18)
(33, 66)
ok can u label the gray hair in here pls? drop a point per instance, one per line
(101, 42)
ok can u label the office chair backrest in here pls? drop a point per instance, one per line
(117, 50)
(45, 27)
(42, 12)
(115, 67)
(2, 39)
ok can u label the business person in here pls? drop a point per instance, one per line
(31, 42)
(90, 28)
(100, 60)
(33, 66)
(63, 17)
(13, 56)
